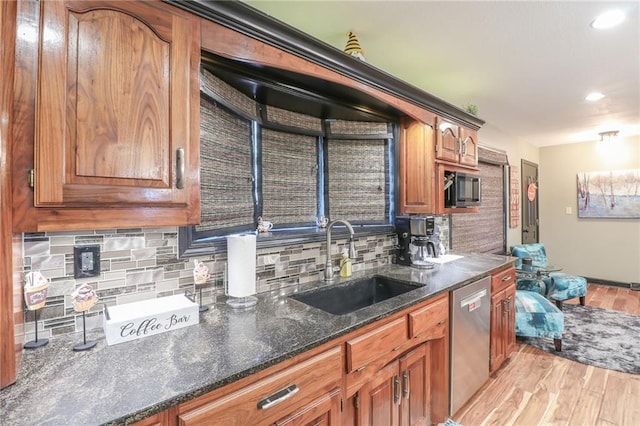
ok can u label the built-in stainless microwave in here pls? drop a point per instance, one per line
(461, 190)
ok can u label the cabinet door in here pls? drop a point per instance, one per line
(116, 105)
(414, 373)
(510, 321)
(379, 399)
(468, 147)
(324, 411)
(447, 142)
(417, 178)
(497, 334)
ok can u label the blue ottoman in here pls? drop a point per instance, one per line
(536, 316)
(567, 286)
(560, 286)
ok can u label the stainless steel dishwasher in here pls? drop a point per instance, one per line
(470, 327)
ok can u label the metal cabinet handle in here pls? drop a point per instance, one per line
(405, 385)
(506, 278)
(278, 397)
(180, 168)
(396, 390)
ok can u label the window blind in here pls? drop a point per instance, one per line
(289, 178)
(226, 182)
(484, 232)
(358, 179)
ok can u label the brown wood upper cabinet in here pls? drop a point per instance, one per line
(456, 144)
(417, 174)
(114, 107)
(117, 107)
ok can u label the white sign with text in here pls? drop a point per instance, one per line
(136, 320)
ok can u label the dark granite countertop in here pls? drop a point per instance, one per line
(130, 381)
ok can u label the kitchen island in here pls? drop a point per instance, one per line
(128, 382)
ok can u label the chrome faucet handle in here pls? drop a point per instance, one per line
(352, 248)
(328, 273)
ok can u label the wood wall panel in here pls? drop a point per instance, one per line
(9, 287)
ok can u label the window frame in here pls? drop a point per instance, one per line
(194, 243)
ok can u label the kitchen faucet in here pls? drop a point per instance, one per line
(328, 274)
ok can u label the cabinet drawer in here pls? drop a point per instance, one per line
(271, 398)
(429, 321)
(502, 279)
(375, 343)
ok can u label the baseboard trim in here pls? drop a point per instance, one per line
(632, 286)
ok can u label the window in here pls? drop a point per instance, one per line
(287, 167)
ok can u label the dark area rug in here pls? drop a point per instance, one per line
(598, 337)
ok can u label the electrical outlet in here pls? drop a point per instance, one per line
(86, 261)
(568, 210)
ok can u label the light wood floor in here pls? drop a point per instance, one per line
(538, 388)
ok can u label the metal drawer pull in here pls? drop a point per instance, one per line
(396, 390)
(405, 385)
(506, 278)
(278, 397)
(180, 168)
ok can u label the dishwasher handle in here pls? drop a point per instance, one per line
(472, 301)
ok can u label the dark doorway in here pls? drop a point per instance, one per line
(530, 196)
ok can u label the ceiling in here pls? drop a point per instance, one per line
(527, 65)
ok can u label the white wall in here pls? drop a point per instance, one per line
(607, 249)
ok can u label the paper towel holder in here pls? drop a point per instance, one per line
(242, 302)
(240, 270)
(237, 302)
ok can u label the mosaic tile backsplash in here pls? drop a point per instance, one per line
(139, 264)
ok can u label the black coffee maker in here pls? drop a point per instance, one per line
(414, 245)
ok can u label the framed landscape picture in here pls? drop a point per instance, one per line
(611, 194)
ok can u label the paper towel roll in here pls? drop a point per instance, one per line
(241, 265)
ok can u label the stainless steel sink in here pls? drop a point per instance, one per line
(349, 297)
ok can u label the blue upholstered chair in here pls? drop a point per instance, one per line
(536, 316)
(563, 287)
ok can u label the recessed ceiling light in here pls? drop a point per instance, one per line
(594, 96)
(608, 19)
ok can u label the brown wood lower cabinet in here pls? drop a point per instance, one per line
(503, 317)
(399, 393)
(272, 398)
(404, 382)
(324, 411)
(392, 372)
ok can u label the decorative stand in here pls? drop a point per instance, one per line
(200, 277)
(85, 345)
(83, 299)
(36, 343)
(201, 308)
